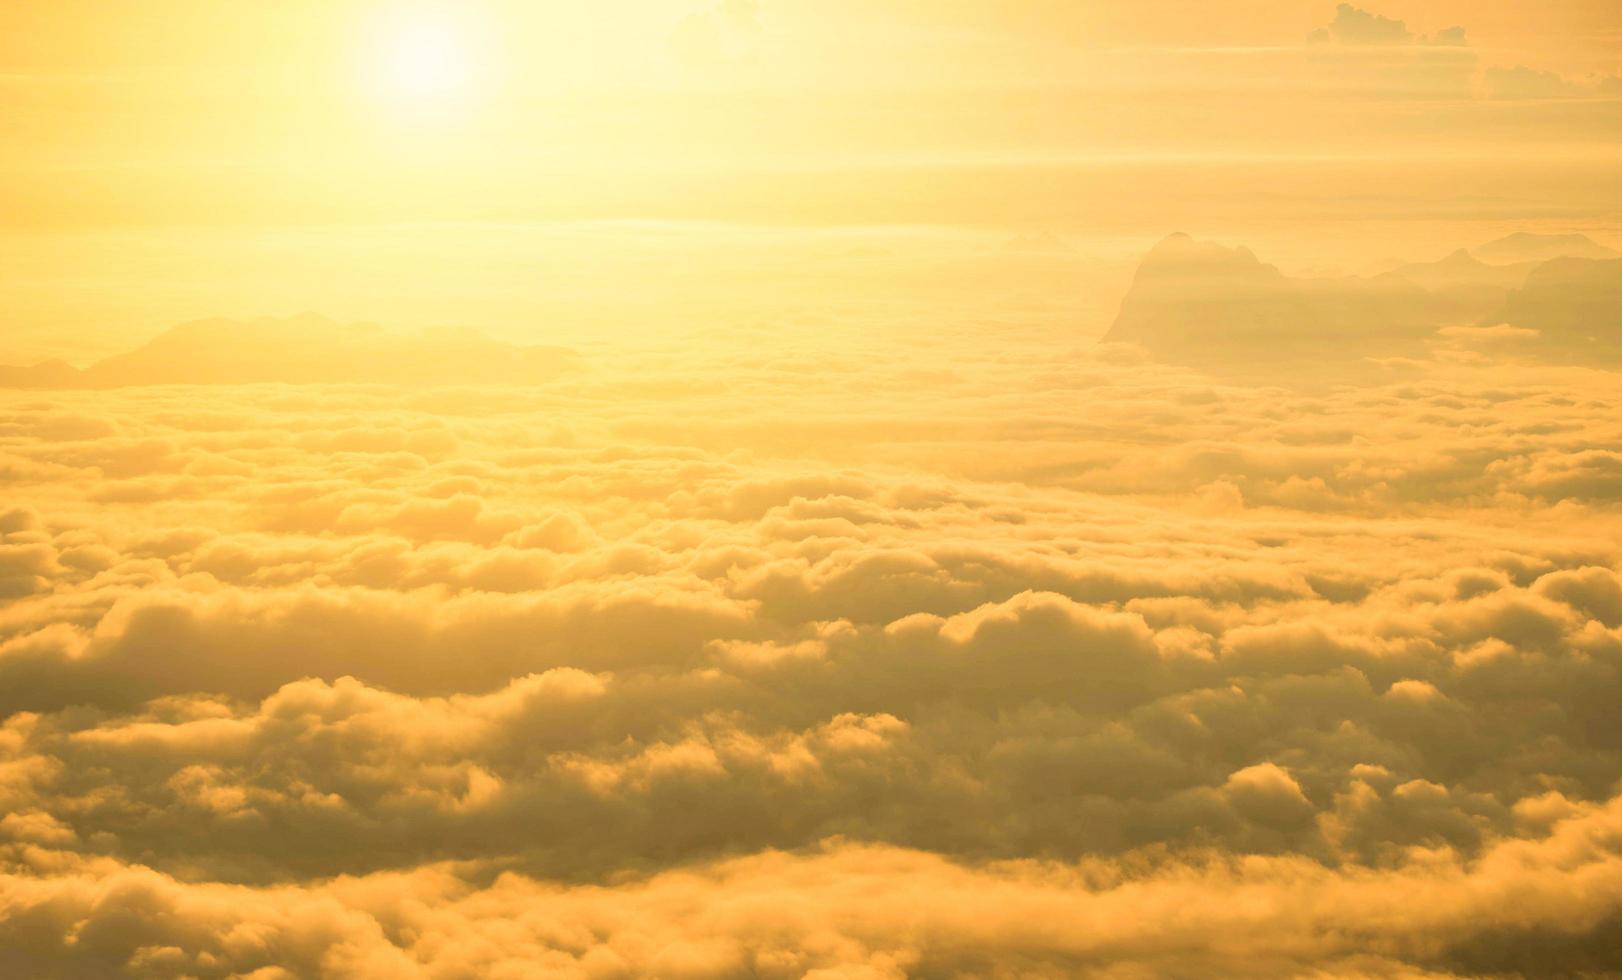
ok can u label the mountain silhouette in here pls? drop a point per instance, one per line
(1201, 302)
(1463, 270)
(1575, 305)
(1525, 246)
(306, 349)
(1212, 305)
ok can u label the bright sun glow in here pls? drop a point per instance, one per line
(422, 58)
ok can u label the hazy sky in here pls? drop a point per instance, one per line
(231, 127)
(786, 111)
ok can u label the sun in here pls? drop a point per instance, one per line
(423, 58)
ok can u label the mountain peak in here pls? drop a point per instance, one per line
(1180, 247)
(1221, 305)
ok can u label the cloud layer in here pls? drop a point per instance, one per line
(880, 660)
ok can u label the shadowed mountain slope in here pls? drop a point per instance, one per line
(1575, 305)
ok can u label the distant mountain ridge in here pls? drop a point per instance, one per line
(1524, 246)
(305, 349)
(1461, 269)
(1205, 303)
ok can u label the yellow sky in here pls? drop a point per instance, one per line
(372, 130)
(184, 112)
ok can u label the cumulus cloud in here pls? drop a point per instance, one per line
(1521, 82)
(846, 910)
(1125, 667)
(1356, 26)
(1524, 82)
